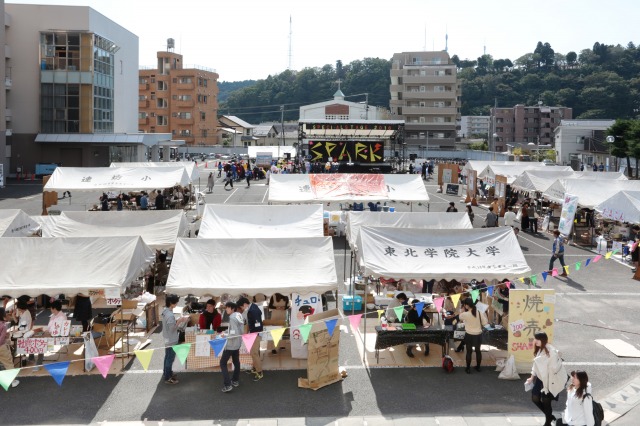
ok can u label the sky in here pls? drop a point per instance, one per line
(250, 39)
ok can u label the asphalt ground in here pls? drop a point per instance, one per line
(601, 299)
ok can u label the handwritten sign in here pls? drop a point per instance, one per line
(32, 346)
(516, 325)
(60, 327)
(96, 293)
(113, 297)
(202, 345)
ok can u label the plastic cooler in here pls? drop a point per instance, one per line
(348, 303)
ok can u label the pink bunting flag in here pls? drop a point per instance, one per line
(598, 257)
(554, 273)
(103, 363)
(354, 320)
(249, 340)
(439, 301)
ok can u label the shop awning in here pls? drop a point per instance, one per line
(116, 178)
(16, 223)
(512, 171)
(590, 192)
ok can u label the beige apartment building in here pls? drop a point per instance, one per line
(179, 100)
(425, 93)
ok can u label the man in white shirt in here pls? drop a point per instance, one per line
(510, 218)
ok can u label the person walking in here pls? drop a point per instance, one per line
(547, 375)
(219, 168)
(524, 216)
(558, 252)
(579, 409)
(533, 220)
(248, 175)
(470, 213)
(473, 323)
(254, 324)
(228, 180)
(170, 334)
(232, 348)
(210, 183)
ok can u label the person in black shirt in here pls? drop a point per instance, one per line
(452, 208)
(160, 201)
(416, 318)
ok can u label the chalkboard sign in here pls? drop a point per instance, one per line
(452, 189)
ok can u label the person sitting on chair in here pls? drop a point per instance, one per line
(210, 318)
(416, 318)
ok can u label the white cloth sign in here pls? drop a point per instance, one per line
(302, 305)
(60, 327)
(569, 206)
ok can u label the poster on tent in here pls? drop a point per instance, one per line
(569, 206)
(530, 311)
(302, 306)
(339, 185)
(112, 296)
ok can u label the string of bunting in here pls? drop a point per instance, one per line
(58, 370)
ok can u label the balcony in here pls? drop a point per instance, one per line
(184, 104)
(8, 114)
(429, 95)
(8, 83)
(182, 120)
(185, 86)
(430, 79)
(429, 125)
(143, 121)
(415, 110)
(143, 103)
(143, 86)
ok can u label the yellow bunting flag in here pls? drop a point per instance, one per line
(144, 357)
(277, 335)
(608, 255)
(455, 298)
(566, 270)
(521, 280)
(380, 312)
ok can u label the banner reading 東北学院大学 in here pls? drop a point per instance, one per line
(530, 311)
(569, 206)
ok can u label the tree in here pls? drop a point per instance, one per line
(479, 146)
(572, 59)
(456, 60)
(620, 147)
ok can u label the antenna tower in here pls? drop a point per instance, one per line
(290, 39)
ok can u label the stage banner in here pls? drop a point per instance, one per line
(569, 206)
(530, 311)
(336, 185)
(348, 151)
(302, 306)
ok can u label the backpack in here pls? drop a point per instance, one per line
(447, 364)
(598, 412)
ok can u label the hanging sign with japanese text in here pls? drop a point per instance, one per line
(302, 306)
(112, 296)
(569, 206)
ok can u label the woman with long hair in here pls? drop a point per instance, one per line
(473, 323)
(547, 375)
(579, 409)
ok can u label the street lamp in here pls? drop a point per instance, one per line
(495, 136)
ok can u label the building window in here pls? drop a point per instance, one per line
(142, 80)
(162, 103)
(153, 80)
(142, 115)
(203, 116)
(153, 96)
(202, 99)
(162, 120)
(162, 85)
(142, 97)
(182, 115)
(181, 97)
(438, 104)
(438, 89)
(205, 133)
(185, 132)
(185, 80)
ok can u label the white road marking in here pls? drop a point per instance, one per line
(230, 195)
(624, 336)
(265, 195)
(602, 322)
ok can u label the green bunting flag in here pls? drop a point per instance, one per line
(399, 310)
(577, 266)
(305, 329)
(182, 351)
(474, 295)
(534, 280)
(7, 377)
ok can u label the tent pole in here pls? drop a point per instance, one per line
(364, 343)
(411, 205)
(344, 263)
(352, 284)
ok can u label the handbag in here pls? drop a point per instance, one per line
(459, 334)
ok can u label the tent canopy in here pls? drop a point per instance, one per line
(70, 265)
(208, 267)
(540, 180)
(512, 171)
(439, 220)
(623, 207)
(190, 166)
(479, 165)
(460, 254)
(158, 229)
(291, 188)
(261, 221)
(590, 192)
(116, 178)
(16, 223)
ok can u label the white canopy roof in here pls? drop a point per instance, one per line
(291, 188)
(479, 165)
(33, 266)
(116, 178)
(439, 220)
(623, 207)
(512, 171)
(158, 229)
(540, 180)
(16, 223)
(590, 192)
(190, 166)
(276, 151)
(261, 221)
(207, 267)
(483, 254)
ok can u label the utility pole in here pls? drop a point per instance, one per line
(282, 122)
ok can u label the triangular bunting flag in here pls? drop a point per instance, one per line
(399, 310)
(439, 302)
(490, 290)
(380, 312)
(144, 356)
(608, 254)
(277, 335)
(249, 339)
(7, 377)
(331, 325)
(577, 266)
(598, 257)
(354, 320)
(544, 276)
(534, 279)
(455, 298)
(182, 351)
(217, 345)
(587, 262)
(566, 270)
(420, 307)
(58, 370)
(615, 251)
(474, 295)
(554, 272)
(103, 363)
(305, 329)
(521, 280)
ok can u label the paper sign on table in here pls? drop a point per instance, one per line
(202, 345)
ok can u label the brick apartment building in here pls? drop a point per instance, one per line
(527, 124)
(178, 100)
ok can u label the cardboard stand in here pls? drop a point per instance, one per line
(322, 362)
(447, 173)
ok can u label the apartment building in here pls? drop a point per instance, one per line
(471, 125)
(425, 93)
(526, 124)
(5, 84)
(179, 100)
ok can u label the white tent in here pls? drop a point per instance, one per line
(208, 267)
(116, 178)
(439, 220)
(540, 180)
(276, 151)
(623, 207)
(291, 188)
(479, 165)
(34, 266)
(512, 171)
(158, 229)
(590, 192)
(261, 221)
(44, 221)
(16, 223)
(189, 166)
(482, 254)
